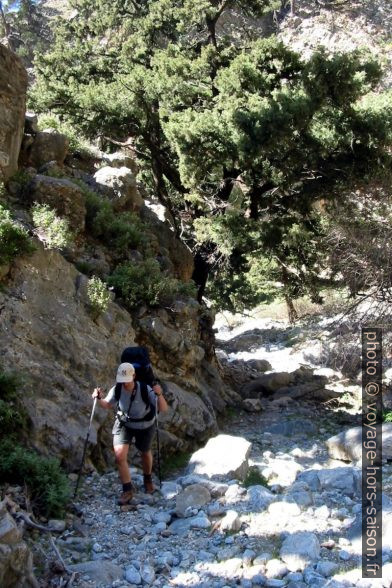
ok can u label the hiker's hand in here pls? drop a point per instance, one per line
(157, 389)
(98, 393)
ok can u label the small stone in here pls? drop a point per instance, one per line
(132, 575)
(57, 525)
(326, 568)
(344, 555)
(147, 573)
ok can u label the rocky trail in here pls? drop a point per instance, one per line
(265, 503)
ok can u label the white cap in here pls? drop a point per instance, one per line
(125, 373)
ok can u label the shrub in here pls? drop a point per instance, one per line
(44, 478)
(12, 414)
(144, 283)
(254, 478)
(122, 231)
(53, 230)
(14, 239)
(98, 296)
(387, 416)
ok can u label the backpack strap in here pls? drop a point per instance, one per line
(117, 392)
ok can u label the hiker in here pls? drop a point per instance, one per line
(135, 419)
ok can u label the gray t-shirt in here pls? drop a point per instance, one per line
(138, 409)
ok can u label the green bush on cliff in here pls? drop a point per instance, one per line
(98, 296)
(14, 239)
(144, 283)
(53, 229)
(12, 414)
(46, 483)
(121, 230)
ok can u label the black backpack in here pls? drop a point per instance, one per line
(139, 358)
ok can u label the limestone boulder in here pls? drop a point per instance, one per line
(194, 496)
(16, 560)
(188, 417)
(252, 405)
(100, 571)
(347, 445)
(266, 384)
(47, 145)
(122, 159)
(299, 550)
(119, 185)
(346, 480)
(224, 456)
(65, 197)
(13, 87)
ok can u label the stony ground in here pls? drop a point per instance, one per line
(232, 533)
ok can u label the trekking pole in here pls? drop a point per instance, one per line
(159, 456)
(85, 448)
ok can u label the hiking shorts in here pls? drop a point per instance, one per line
(123, 435)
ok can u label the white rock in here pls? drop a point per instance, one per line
(299, 550)
(276, 568)
(231, 521)
(223, 456)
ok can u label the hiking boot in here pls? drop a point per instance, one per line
(125, 498)
(148, 485)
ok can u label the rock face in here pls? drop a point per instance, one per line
(16, 562)
(48, 336)
(347, 445)
(223, 456)
(62, 353)
(13, 86)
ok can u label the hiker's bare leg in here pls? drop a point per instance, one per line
(147, 462)
(121, 454)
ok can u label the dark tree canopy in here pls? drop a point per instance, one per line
(237, 135)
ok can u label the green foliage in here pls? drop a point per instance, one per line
(14, 239)
(387, 416)
(144, 283)
(98, 296)
(120, 230)
(52, 229)
(13, 416)
(44, 478)
(255, 478)
(250, 140)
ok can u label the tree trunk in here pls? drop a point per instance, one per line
(6, 27)
(201, 273)
(291, 311)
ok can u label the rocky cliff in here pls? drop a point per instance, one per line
(13, 88)
(50, 337)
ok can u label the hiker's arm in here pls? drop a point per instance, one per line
(98, 393)
(162, 404)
